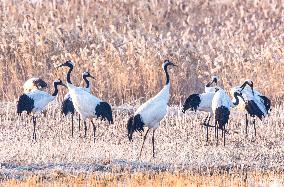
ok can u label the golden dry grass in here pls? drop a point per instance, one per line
(176, 179)
(123, 43)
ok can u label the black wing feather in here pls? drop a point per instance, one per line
(67, 107)
(25, 103)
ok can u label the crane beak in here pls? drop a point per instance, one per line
(61, 65)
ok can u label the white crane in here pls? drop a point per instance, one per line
(67, 106)
(152, 112)
(34, 83)
(36, 101)
(202, 102)
(86, 104)
(255, 104)
(221, 104)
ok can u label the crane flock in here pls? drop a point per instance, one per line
(214, 100)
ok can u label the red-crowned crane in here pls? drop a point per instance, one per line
(36, 101)
(202, 102)
(255, 104)
(86, 104)
(67, 106)
(152, 112)
(221, 104)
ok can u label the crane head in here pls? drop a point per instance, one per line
(247, 82)
(68, 63)
(167, 63)
(87, 74)
(213, 79)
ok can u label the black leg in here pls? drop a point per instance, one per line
(207, 133)
(72, 124)
(215, 129)
(254, 127)
(205, 121)
(217, 126)
(153, 142)
(246, 124)
(223, 131)
(143, 143)
(34, 132)
(85, 127)
(94, 130)
(79, 122)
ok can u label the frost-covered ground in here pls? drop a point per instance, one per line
(180, 145)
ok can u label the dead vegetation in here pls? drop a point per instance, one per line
(123, 43)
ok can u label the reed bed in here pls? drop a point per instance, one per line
(123, 43)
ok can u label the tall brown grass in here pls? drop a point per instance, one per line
(123, 43)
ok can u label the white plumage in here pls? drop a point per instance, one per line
(36, 101)
(151, 112)
(202, 102)
(34, 83)
(154, 110)
(67, 104)
(221, 98)
(86, 104)
(253, 102)
(221, 104)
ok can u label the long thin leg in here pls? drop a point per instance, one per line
(246, 124)
(153, 142)
(215, 129)
(207, 133)
(254, 127)
(79, 122)
(208, 124)
(143, 143)
(72, 124)
(94, 130)
(217, 126)
(223, 131)
(85, 127)
(34, 132)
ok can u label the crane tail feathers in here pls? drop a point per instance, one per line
(266, 102)
(192, 103)
(222, 116)
(25, 103)
(134, 124)
(103, 110)
(67, 107)
(253, 109)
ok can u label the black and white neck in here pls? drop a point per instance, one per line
(86, 80)
(165, 68)
(69, 74)
(56, 83)
(249, 83)
(237, 100)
